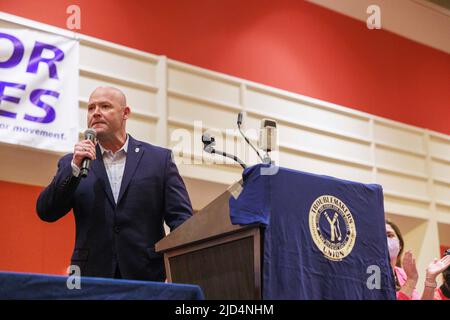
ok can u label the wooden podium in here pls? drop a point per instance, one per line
(276, 254)
(207, 250)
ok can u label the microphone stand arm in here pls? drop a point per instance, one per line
(212, 150)
(248, 141)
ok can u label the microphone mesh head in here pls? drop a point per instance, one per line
(206, 137)
(90, 133)
(268, 135)
(268, 123)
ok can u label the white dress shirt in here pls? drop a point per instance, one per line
(114, 165)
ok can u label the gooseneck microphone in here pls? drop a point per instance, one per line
(208, 145)
(239, 122)
(89, 134)
(268, 138)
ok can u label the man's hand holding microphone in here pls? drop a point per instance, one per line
(84, 152)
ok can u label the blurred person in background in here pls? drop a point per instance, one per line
(443, 292)
(405, 271)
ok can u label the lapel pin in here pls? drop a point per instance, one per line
(136, 150)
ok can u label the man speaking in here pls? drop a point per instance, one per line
(130, 189)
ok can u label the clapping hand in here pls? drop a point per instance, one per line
(436, 267)
(409, 265)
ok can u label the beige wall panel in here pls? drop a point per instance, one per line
(307, 114)
(406, 207)
(141, 129)
(441, 170)
(203, 86)
(440, 148)
(400, 160)
(251, 125)
(403, 185)
(324, 144)
(399, 136)
(442, 192)
(311, 164)
(111, 62)
(211, 117)
(313, 141)
(138, 99)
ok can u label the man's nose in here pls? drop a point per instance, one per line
(94, 115)
(96, 112)
(97, 109)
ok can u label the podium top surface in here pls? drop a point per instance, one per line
(264, 186)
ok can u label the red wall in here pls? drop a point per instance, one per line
(26, 243)
(289, 44)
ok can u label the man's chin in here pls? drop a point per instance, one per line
(100, 132)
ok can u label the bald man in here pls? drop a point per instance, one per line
(120, 207)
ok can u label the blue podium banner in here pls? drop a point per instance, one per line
(324, 238)
(25, 286)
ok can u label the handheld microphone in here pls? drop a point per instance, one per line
(239, 122)
(208, 145)
(89, 134)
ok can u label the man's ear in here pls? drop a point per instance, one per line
(126, 112)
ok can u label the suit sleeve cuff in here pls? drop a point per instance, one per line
(75, 169)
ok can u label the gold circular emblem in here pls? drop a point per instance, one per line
(332, 227)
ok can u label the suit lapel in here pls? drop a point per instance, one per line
(99, 169)
(134, 155)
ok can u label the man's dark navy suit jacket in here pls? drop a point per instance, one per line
(107, 233)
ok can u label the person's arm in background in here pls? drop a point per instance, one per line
(409, 266)
(434, 269)
(178, 206)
